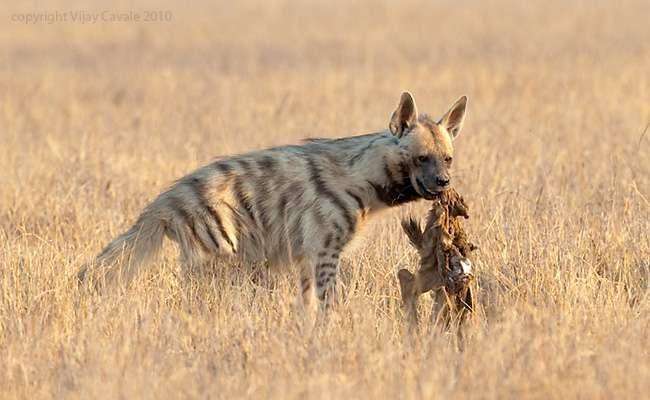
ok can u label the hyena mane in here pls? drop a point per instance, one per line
(296, 204)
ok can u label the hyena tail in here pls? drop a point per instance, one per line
(121, 258)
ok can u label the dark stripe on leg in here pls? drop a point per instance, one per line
(328, 240)
(305, 285)
(326, 265)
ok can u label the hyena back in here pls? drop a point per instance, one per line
(298, 204)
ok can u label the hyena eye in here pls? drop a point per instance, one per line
(448, 159)
(423, 159)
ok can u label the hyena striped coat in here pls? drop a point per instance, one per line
(297, 204)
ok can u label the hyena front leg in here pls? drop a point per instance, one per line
(325, 273)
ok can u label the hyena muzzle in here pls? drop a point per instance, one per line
(297, 204)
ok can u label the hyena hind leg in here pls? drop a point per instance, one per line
(195, 251)
(305, 285)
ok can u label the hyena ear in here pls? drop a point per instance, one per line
(405, 116)
(454, 118)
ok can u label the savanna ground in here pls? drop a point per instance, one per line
(554, 159)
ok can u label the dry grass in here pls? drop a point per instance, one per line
(95, 120)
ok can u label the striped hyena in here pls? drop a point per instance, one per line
(297, 204)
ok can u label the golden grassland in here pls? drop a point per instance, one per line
(554, 160)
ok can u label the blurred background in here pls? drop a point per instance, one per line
(216, 78)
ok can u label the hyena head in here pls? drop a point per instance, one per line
(427, 143)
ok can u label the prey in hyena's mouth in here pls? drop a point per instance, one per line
(445, 268)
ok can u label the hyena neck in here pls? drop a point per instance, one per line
(384, 172)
